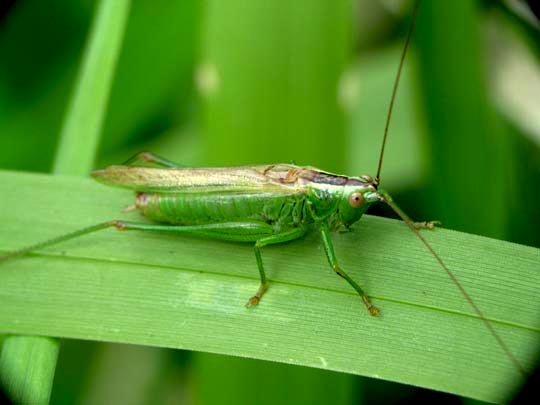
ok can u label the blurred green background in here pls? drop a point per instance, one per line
(240, 82)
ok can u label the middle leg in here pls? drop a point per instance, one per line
(282, 237)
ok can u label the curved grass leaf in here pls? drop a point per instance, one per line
(86, 111)
(27, 364)
(187, 292)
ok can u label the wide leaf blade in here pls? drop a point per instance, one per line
(186, 292)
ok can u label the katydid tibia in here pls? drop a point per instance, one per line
(260, 204)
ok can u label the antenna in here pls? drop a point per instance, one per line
(385, 197)
(394, 90)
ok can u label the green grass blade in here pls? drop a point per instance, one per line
(27, 365)
(168, 291)
(469, 148)
(275, 99)
(80, 133)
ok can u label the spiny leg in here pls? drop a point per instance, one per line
(330, 254)
(387, 198)
(236, 231)
(231, 231)
(270, 240)
(54, 241)
(120, 225)
(152, 159)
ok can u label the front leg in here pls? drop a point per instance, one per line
(330, 254)
(387, 198)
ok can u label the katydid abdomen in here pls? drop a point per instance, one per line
(281, 212)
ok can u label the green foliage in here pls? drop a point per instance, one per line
(27, 365)
(79, 137)
(276, 82)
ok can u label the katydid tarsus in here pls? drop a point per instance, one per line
(260, 204)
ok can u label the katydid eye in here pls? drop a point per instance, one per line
(356, 200)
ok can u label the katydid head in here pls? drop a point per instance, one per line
(358, 194)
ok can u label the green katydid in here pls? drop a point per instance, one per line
(260, 204)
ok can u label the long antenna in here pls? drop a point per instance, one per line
(394, 90)
(388, 200)
(384, 197)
